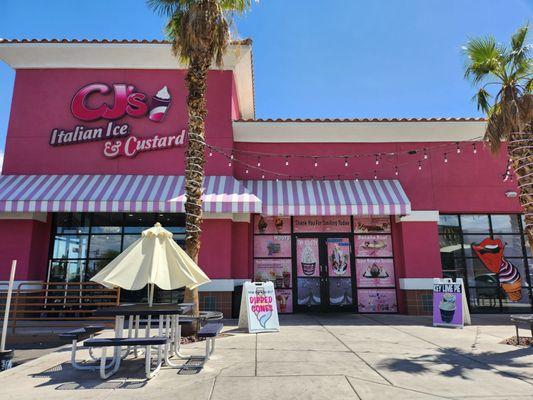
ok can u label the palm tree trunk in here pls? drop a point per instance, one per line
(196, 81)
(520, 149)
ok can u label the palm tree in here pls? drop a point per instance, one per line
(199, 31)
(503, 76)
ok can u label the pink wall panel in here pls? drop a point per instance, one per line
(241, 256)
(41, 102)
(216, 247)
(27, 242)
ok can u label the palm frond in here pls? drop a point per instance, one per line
(165, 8)
(519, 47)
(482, 100)
(484, 57)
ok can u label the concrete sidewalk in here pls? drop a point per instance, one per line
(330, 357)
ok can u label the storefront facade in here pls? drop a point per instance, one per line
(342, 215)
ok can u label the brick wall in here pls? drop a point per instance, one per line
(216, 301)
(418, 302)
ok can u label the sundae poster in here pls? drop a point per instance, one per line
(373, 246)
(277, 271)
(259, 311)
(339, 257)
(375, 272)
(274, 246)
(322, 224)
(284, 300)
(447, 303)
(272, 225)
(372, 225)
(307, 257)
(377, 301)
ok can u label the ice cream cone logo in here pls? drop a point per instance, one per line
(490, 252)
(159, 105)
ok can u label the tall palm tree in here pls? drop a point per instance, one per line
(199, 31)
(504, 78)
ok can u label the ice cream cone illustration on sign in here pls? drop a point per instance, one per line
(159, 105)
(262, 307)
(490, 252)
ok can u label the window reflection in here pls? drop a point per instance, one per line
(475, 223)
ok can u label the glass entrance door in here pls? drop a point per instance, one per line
(324, 272)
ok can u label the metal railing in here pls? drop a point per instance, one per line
(56, 303)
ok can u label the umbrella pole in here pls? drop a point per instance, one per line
(150, 303)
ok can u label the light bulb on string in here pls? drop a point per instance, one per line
(258, 161)
(246, 170)
(210, 153)
(420, 165)
(357, 177)
(375, 175)
(287, 161)
(345, 161)
(229, 163)
(396, 172)
(445, 158)
(263, 176)
(425, 154)
(474, 148)
(458, 148)
(377, 160)
(316, 162)
(231, 156)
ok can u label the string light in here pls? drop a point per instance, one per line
(287, 161)
(246, 170)
(458, 148)
(345, 161)
(210, 153)
(357, 177)
(396, 172)
(231, 156)
(420, 165)
(377, 160)
(445, 157)
(425, 154)
(258, 161)
(375, 174)
(229, 163)
(474, 148)
(263, 176)
(316, 162)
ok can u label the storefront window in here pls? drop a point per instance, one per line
(493, 282)
(84, 243)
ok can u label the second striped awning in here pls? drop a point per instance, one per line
(331, 197)
(119, 193)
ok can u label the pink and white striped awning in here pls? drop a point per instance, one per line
(119, 193)
(331, 197)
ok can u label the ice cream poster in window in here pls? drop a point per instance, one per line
(277, 271)
(307, 257)
(339, 257)
(273, 246)
(490, 252)
(374, 272)
(377, 301)
(373, 246)
(284, 300)
(447, 302)
(275, 225)
(372, 225)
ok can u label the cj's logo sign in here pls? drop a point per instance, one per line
(126, 101)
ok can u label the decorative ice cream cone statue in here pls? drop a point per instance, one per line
(490, 252)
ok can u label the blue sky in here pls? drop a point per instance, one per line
(313, 58)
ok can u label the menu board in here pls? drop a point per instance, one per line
(275, 225)
(339, 263)
(274, 246)
(448, 298)
(373, 246)
(322, 224)
(377, 300)
(307, 257)
(284, 300)
(372, 225)
(277, 271)
(374, 272)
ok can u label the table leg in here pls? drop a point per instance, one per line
(517, 335)
(137, 324)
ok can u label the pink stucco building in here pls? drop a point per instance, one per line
(352, 214)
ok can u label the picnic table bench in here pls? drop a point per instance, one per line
(525, 319)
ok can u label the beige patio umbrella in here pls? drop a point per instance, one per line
(154, 260)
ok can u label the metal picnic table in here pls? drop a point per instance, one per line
(526, 319)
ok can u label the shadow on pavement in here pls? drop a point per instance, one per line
(459, 362)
